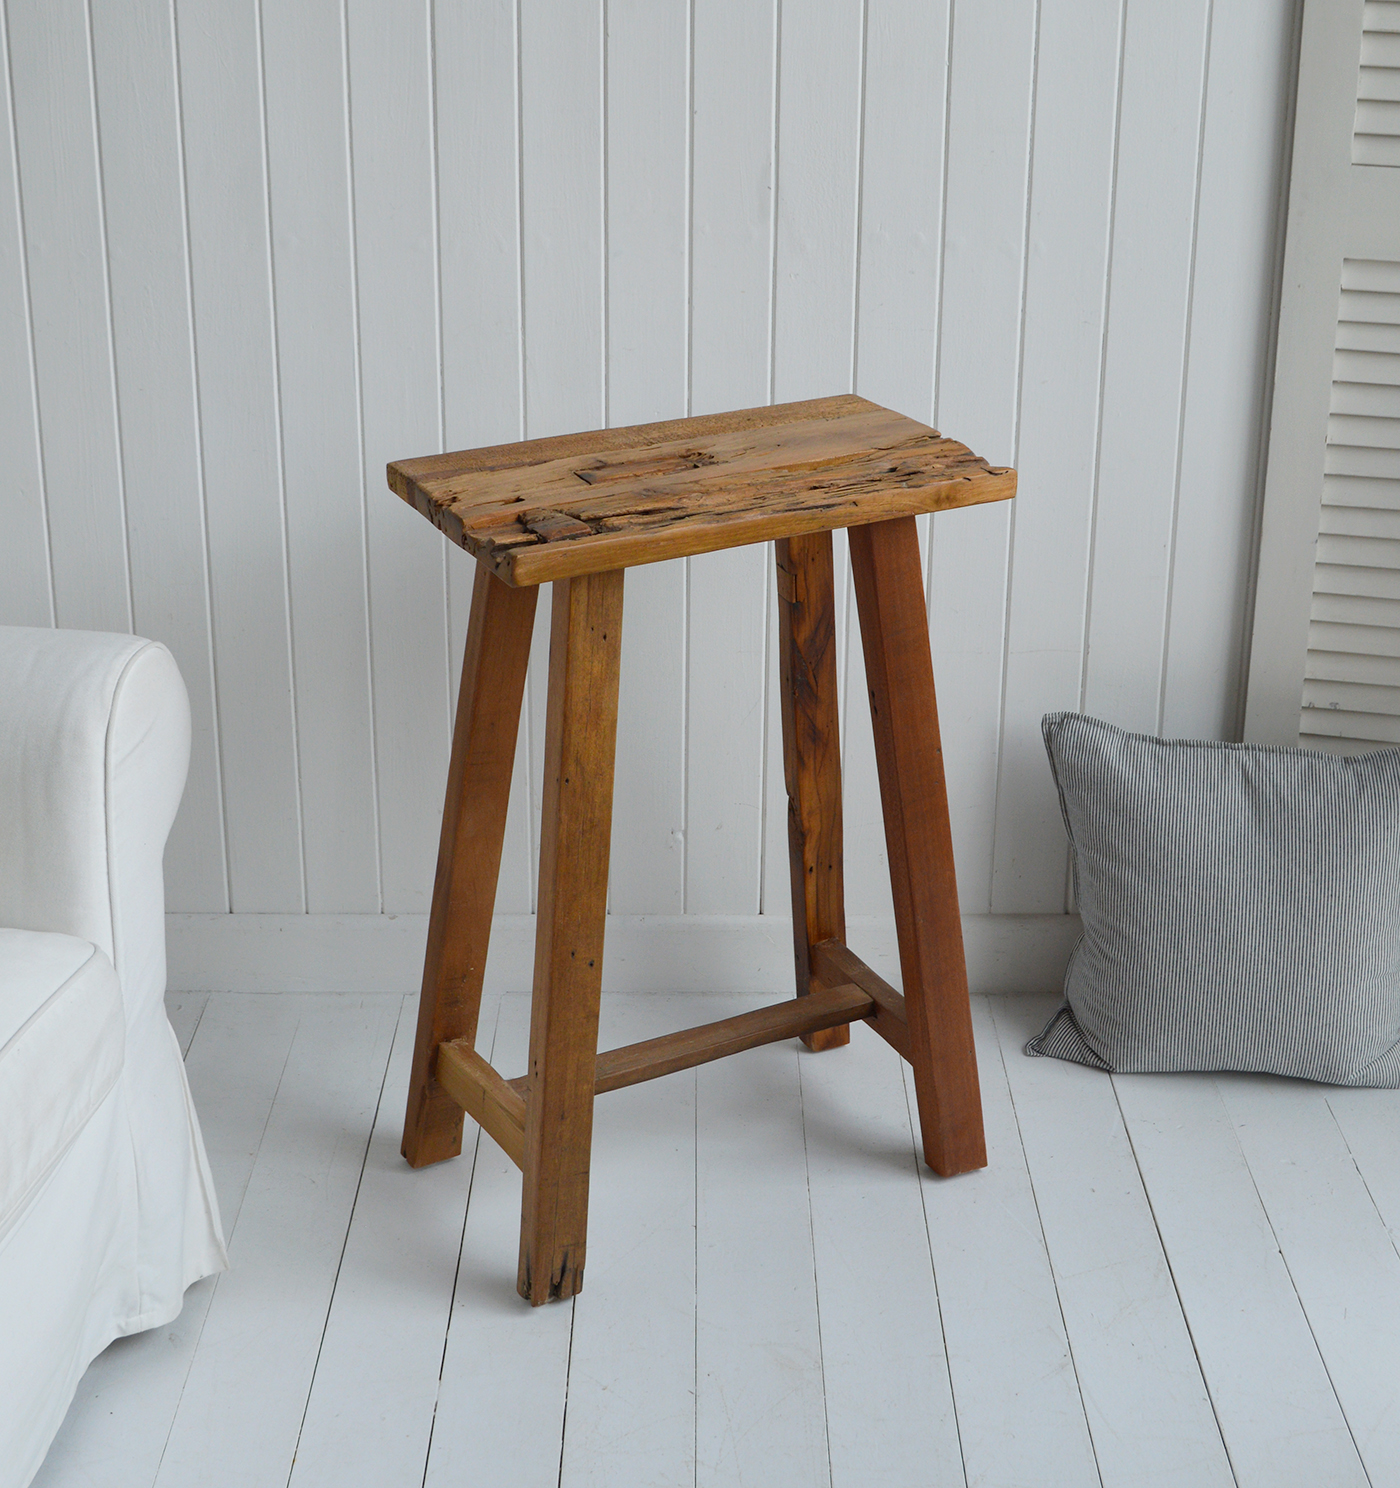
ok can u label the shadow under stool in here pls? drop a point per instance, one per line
(578, 511)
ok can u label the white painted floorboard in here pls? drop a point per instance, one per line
(1017, 1396)
(760, 1415)
(505, 1367)
(631, 1408)
(244, 1399)
(1149, 1413)
(1158, 1279)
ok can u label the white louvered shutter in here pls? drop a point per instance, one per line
(1325, 657)
(1351, 688)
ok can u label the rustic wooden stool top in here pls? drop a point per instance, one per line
(579, 510)
(585, 503)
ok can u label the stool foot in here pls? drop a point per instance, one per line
(469, 853)
(580, 740)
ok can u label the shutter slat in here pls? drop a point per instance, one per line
(1361, 642)
(1376, 116)
(1360, 490)
(1364, 432)
(1375, 149)
(1328, 694)
(1340, 578)
(1360, 521)
(1367, 399)
(1358, 552)
(1386, 730)
(1370, 306)
(1380, 49)
(1379, 367)
(1351, 459)
(1381, 15)
(1357, 609)
(1366, 336)
(1378, 83)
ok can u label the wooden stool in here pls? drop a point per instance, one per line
(579, 510)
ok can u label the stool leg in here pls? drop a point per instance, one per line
(469, 852)
(811, 754)
(899, 671)
(580, 738)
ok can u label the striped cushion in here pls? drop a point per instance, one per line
(1241, 907)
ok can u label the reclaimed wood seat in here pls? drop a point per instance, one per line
(578, 510)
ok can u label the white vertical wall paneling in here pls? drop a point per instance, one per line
(26, 596)
(478, 204)
(391, 136)
(515, 886)
(1076, 105)
(221, 103)
(536, 690)
(60, 167)
(1149, 315)
(313, 283)
(775, 887)
(1242, 158)
(561, 210)
(989, 125)
(731, 276)
(478, 209)
(648, 182)
(518, 225)
(724, 729)
(648, 855)
(732, 204)
(561, 69)
(819, 77)
(819, 86)
(847, 635)
(648, 187)
(134, 74)
(901, 203)
(905, 97)
(867, 864)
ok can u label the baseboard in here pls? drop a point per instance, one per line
(644, 953)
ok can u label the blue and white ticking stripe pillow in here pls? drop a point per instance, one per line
(1241, 907)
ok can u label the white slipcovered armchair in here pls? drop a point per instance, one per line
(107, 1211)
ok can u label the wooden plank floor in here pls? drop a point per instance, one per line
(1158, 1280)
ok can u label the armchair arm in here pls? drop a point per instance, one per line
(94, 748)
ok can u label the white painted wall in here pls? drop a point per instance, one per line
(249, 252)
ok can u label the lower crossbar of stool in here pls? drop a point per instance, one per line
(634, 1063)
(498, 1105)
(484, 1096)
(843, 990)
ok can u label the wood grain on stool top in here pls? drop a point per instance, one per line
(613, 498)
